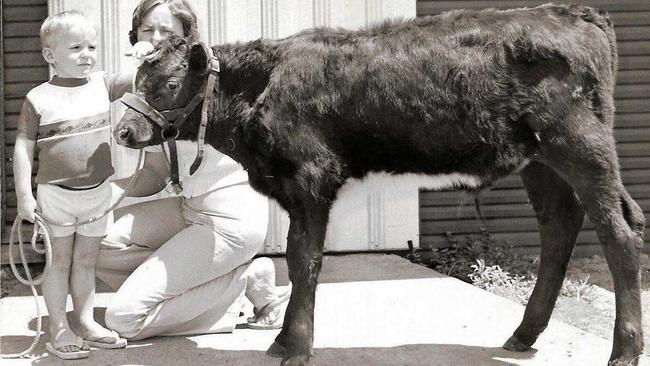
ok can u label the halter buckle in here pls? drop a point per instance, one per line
(214, 65)
(170, 132)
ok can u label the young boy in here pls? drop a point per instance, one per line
(65, 123)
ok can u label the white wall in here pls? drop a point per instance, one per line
(379, 213)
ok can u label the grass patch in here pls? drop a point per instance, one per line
(457, 259)
(499, 282)
(479, 260)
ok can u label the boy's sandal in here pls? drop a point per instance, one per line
(111, 341)
(83, 351)
(268, 308)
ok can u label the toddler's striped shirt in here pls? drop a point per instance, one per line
(69, 120)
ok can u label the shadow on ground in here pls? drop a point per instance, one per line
(183, 351)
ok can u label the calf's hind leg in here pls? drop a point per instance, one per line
(584, 153)
(560, 217)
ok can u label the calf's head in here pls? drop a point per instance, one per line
(167, 80)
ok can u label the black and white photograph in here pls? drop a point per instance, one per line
(325, 182)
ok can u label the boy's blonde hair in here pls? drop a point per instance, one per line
(62, 22)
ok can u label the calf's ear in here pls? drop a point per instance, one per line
(198, 58)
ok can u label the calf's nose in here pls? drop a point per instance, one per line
(123, 135)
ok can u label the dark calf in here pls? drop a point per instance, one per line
(466, 95)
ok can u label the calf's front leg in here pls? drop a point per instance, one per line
(304, 258)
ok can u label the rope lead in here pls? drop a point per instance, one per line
(41, 225)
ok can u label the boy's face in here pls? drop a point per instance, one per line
(73, 51)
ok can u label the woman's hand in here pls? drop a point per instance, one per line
(27, 207)
(141, 49)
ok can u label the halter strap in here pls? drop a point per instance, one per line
(139, 105)
(200, 141)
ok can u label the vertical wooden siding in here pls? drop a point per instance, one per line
(3, 186)
(23, 69)
(507, 210)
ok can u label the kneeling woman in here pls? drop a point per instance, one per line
(183, 263)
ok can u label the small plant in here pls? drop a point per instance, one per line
(577, 289)
(500, 282)
(457, 259)
(518, 288)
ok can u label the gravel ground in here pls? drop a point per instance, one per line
(595, 312)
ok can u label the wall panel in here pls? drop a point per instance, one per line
(22, 68)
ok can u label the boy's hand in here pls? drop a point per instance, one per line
(141, 49)
(27, 207)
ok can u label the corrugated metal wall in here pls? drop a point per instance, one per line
(509, 215)
(24, 68)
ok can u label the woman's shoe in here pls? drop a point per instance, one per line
(275, 308)
(111, 341)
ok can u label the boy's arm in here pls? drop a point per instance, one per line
(23, 161)
(118, 84)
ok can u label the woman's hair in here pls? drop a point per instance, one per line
(179, 8)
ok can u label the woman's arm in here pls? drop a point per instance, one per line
(151, 178)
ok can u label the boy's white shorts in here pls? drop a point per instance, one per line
(61, 205)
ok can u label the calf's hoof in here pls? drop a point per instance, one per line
(624, 361)
(514, 344)
(296, 361)
(276, 350)
(629, 348)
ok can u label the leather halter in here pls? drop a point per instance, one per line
(169, 130)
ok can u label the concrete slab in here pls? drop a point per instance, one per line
(409, 316)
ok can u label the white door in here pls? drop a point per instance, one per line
(377, 214)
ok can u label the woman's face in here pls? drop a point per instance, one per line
(158, 24)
